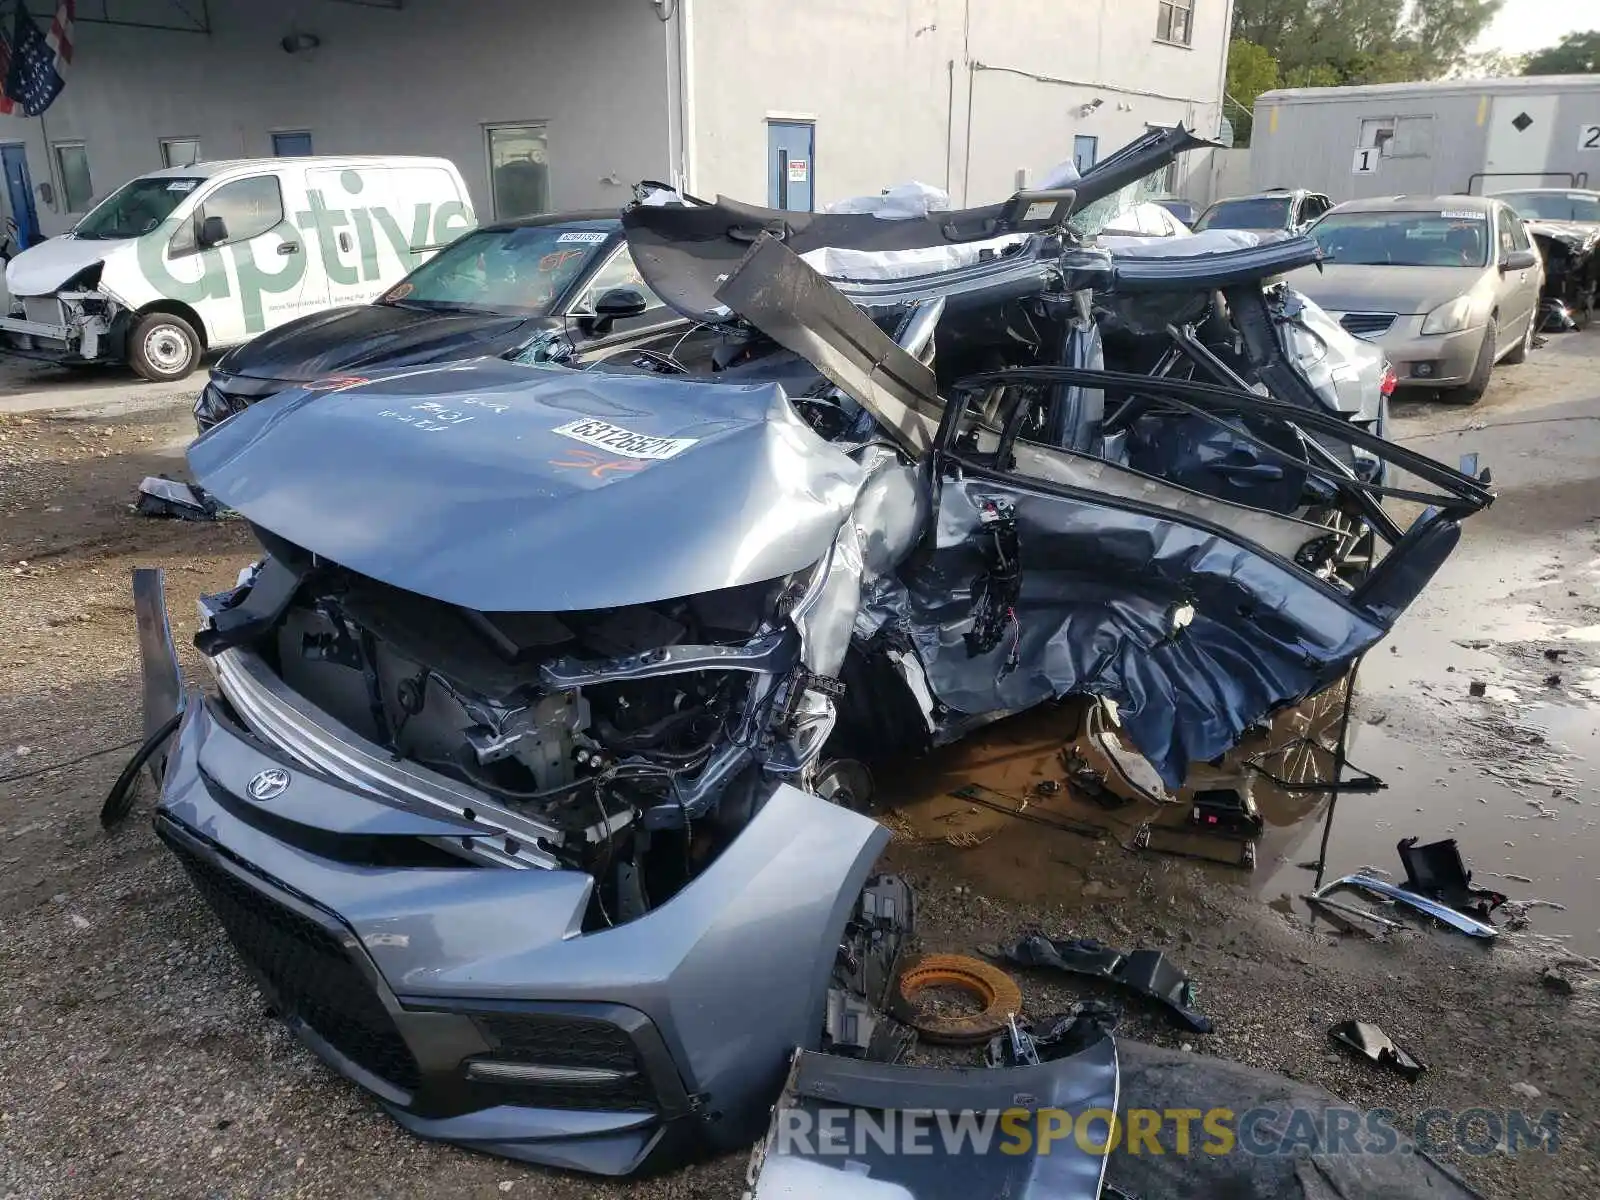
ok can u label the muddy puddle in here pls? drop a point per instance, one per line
(1016, 808)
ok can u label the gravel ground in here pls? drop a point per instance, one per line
(136, 1059)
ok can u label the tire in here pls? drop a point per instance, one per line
(1472, 391)
(1520, 354)
(163, 347)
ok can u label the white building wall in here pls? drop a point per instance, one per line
(422, 79)
(890, 85)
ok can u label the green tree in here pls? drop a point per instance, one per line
(1575, 54)
(1322, 42)
(1251, 71)
(1489, 64)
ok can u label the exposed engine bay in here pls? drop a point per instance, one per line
(612, 732)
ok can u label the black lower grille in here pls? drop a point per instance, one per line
(1363, 324)
(564, 1041)
(306, 966)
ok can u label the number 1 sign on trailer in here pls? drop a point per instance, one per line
(1367, 159)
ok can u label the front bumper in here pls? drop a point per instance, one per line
(468, 999)
(71, 326)
(1428, 361)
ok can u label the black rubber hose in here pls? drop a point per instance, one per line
(119, 800)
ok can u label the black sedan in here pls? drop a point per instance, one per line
(546, 287)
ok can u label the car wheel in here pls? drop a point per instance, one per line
(1520, 354)
(1472, 391)
(163, 347)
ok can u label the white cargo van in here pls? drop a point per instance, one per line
(198, 258)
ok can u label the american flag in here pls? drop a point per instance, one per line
(34, 64)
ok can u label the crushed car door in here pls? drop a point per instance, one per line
(1030, 588)
(1036, 580)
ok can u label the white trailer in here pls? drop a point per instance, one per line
(1477, 136)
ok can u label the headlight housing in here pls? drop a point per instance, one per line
(1449, 318)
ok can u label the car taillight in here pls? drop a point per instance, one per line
(1390, 381)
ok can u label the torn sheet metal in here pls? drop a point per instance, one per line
(163, 497)
(685, 253)
(815, 1150)
(160, 677)
(800, 310)
(1374, 1045)
(1149, 611)
(1146, 973)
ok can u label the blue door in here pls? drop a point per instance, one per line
(19, 190)
(291, 145)
(791, 149)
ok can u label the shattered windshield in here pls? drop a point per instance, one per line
(1104, 215)
(135, 208)
(1245, 214)
(522, 271)
(1405, 239)
(1554, 206)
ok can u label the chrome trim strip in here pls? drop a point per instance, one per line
(288, 721)
(520, 1072)
(769, 654)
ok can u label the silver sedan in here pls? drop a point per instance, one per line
(1448, 286)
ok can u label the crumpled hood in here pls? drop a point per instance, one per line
(371, 335)
(504, 487)
(42, 269)
(1352, 287)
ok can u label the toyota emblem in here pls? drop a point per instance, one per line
(269, 784)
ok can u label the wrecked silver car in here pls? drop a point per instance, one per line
(526, 789)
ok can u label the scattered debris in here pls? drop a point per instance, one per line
(1375, 1045)
(1231, 812)
(1458, 921)
(1180, 843)
(965, 839)
(163, 497)
(1085, 1024)
(1145, 972)
(1091, 783)
(856, 1021)
(998, 802)
(1438, 870)
(1477, 688)
(1526, 1090)
(995, 992)
(1352, 917)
